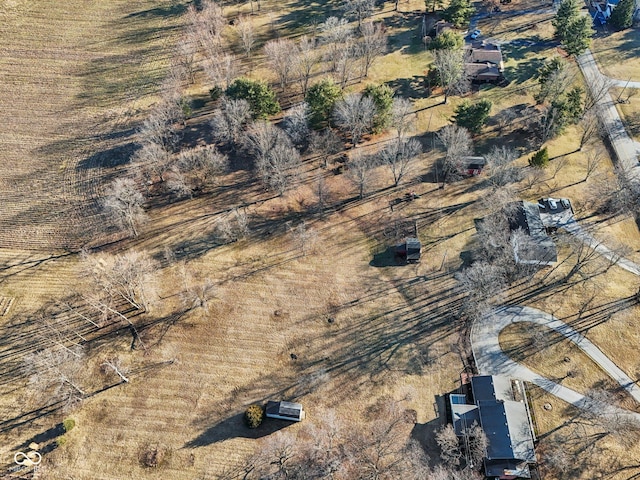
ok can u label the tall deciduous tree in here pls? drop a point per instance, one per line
(372, 44)
(281, 54)
(450, 67)
(398, 156)
(231, 120)
(246, 34)
(360, 9)
(457, 143)
(402, 116)
(276, 158)
(334, 32)
(360, 171)
(307, 57)
(296, 125)
(355, 115)
(124, 201)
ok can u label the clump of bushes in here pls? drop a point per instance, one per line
(153, 455)
(68, 424)
(254, 415)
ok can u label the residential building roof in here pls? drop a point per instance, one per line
(541, 249)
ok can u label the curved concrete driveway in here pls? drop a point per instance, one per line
(491, 360)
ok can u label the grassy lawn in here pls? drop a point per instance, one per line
(629, 112)
(617, 54)
(551, 355)
(337, 328)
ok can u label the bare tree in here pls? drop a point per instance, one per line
(197, 292)
(306, 60)
(345, 62)
(323, 193)
(124, 202)
(372, 44)
(114, 364)
(208, 27)
(221, 69)
(334, 33)
(360, 171)
(594, 157)
(589, 128)
(354, 115)
(449, 63)
(56, 374)
(325, 143)
(196, 168)
(360, 9)
(458, 144)
(277, 161)
(402, 116)
(502, 171)
(230, 121)
(129, 277)
(246, 32)
(598, 88)
(506, 118)
(280, 55)
(185, 55)
(398, 156)
(161, 126)
(154, 161)
(476, 443)
(233, 226)
(305, 238)
(449, 444)
(296, 125)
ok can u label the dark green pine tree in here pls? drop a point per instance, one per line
(622, 15)
(568, 11)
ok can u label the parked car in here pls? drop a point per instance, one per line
(553, 205)
(475, 34)
(565, 203)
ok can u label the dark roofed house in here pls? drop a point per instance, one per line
(539, 249)
(504, 420)
(483, 62)
(285, 411)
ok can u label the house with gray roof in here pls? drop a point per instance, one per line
(502, 412)
(529, 240)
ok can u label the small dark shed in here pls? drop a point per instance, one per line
(410, 250)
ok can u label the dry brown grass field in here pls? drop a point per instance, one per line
(336, 328)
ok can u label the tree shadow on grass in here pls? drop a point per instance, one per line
(387, 258)
(413, 87)
(234, 427)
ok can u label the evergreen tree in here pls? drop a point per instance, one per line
(622, 15)
(568, 11)
(259, 95)
(382, 96)
(472, 116)
(459, 12)
(578, 35)
(321, 98)
(540, 159)
(447, 39)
